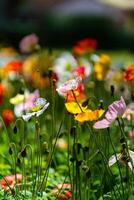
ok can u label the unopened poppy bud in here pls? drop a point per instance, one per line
(18, 161)
(10, 151)
(78, 147)
(112, 90)
(73, 130)
(15, 129)
(122, 140)
(79, 162)
(24, 153)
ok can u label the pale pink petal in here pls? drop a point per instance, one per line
(113, 159)
(72, 84)
(104, 123)
(119, 106)
(131, 163)
(111, 114)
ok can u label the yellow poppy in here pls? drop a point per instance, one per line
(19, 98)
(75, 108)
(101, 67)
(89, 115)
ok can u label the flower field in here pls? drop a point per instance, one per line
(66, 123)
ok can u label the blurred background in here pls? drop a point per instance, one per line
(60, 23)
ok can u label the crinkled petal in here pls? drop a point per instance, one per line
(104, 123)
(113, 159)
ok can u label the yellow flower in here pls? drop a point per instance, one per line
(105, 60)
(19, 98)
(74, 107)
(89, 115)
(101, 67)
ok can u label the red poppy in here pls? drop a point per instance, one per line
(85, 45)
(9, 181)
(8, 116)
(15, 66)
(2, 92)
(129, 73)
(79, 71)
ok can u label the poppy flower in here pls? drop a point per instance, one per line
(29, 43)
(123, 157)
(101, 67)
(15, 66)
(68, 86)
(84, 46)
(116, 109)
(8, 116)
(24, 102)
(40, 105)
(74, 108)
(9, 181)
(129, 73)
(19, 98)
(89, 115)
(2, 92)
(129, 112)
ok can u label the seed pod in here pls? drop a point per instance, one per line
(15, 129)
(122, 140)
(78, 147)
(112, 90)
(18, 161)
(24, 153)
(73, 130)
(10, 151)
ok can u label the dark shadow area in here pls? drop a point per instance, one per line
(60, 31)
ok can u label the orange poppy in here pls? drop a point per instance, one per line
(84, 46)
(8, 116)
(129, 73)
(14, 66)
(2, 91)
(9, 181)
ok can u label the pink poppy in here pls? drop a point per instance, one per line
(116, 109)
(68, 86)
(28, 43)
(27, 104)
(9, 181)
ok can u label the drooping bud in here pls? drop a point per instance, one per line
(15, 129)
(10, 151)
(24, 153)
(112, 88)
